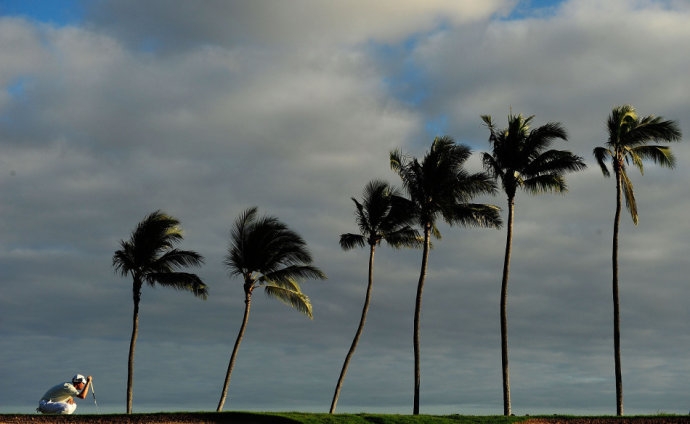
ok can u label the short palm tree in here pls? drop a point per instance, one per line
(439, 186)
(381, 216)
(150, 256)
(519, 159)
(628, 143)
(264, 251)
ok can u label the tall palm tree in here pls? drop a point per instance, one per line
(264, 251)
(628, 143)
(381, 215)
(150, 256)
(439, 186)
(520, 159)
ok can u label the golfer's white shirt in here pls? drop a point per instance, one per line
(54, 401)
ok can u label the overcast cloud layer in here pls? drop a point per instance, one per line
(203, 109)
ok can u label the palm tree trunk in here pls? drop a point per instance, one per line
(616, 302)
(136, 297)
(233, 356)
(504, 310)
(362, 320)
(417, 316)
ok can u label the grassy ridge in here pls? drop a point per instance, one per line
(365, 418)
(236, 417)
(258, 418)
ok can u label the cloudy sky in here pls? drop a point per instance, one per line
(110, 110)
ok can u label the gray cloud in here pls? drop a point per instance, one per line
(166, 25)
(205, 112)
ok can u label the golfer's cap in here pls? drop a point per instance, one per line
(78, 379)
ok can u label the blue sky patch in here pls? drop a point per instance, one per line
(58, 12)
(534, 9)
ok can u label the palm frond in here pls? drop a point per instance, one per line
(620, 121)
(660, 155)
(123, 259)
(629, 195)
(652, 128)
(175, 259)
(542, 137)
(288, 274)
(382, 214)
(180, 281)
(404, 237)
(435, 232)
(492, 166)
(439, 185)
(409, 171)
(631, 156)
(361, 217)
(488, 122)
(239, 235)
(295, 299)
(397, 160)
(263, 249)
(149, 254)
(403, 211)
(519, 157)
(374, 213)
(477, 215)
(350, 241)
(554, 161)
(155, 234)
(263, 244)
(466, 186)
(546, 183)
(627, 143)
(601, 154)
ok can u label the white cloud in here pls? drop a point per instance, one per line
(203, 112)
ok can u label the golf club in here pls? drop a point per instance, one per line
(93, 393)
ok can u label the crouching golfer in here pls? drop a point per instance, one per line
(58, 399)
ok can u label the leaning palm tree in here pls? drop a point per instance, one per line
(440, 186)
(264, 251)
(150, 256)
(628, 143)
(519, 159)
(382, 215)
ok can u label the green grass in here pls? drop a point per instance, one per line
(282, 418)
(364, 418)
(368, 418)
(237, 417)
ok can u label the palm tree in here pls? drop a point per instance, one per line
(440, 186)
(520, 159)
(628, 143)
(264, 251)
(150, 256)
(381, 215)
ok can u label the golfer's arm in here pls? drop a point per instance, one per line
(85, 392)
